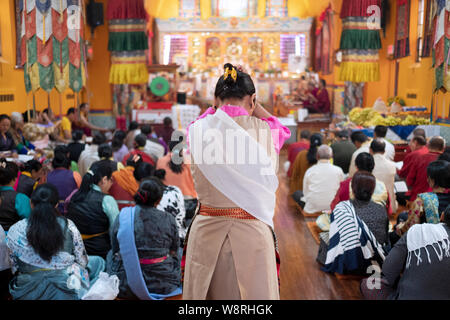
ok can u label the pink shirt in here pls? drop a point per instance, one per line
(279, 132)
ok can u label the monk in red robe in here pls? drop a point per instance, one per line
(318, 99)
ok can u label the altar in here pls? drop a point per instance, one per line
(275, 51)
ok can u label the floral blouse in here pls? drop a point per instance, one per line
(173, 202)
(19, 249)
(426, 204)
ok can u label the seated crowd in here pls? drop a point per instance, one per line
(121, 204)
(67, 215)
(365, 222)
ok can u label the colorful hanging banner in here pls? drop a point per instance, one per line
(52, 45)
(360, 41)
(127, 42)
(402, 48)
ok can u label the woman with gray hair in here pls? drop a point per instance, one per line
(23, 146)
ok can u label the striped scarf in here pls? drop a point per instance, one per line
(352, 245)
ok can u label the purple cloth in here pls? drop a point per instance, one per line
(63, 180)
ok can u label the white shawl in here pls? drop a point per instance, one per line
(250, 184)
(422, 235)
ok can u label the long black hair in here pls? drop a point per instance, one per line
(227, 87)
(439, 172)
(93, 176)
(44, 233)
(315, 142)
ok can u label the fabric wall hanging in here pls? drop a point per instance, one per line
(52, 48)
(360, 41)
(441, 46)
(428, 29)
(127, 41)
(402, 29)
(324, 60)
(357, 8)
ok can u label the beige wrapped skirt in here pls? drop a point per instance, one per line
(230, 259)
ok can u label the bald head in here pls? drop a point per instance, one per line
(436, 144)
(324, 152)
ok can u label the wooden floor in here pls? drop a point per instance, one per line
(301, 277)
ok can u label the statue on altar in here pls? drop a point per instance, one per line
(234, 50)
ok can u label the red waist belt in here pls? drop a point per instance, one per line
(152, 261)
(236, 213)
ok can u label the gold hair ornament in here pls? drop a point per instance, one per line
(232, 73)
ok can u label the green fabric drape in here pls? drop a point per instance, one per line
(46, 77)
(75, 78)
(360, 39)
(57, 54)
(127, 41)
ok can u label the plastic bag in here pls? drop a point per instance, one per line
(323, 222)
(380, 106)
(105, 288)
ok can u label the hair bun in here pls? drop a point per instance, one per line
(230, 74)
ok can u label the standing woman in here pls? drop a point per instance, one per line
(47, 254)
(93, 211)
(231, 248)
(304, 160)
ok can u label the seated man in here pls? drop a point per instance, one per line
(318, 100)
(380, 133)
(417, 176)
(418, 146)
(343, 150)
(384, 170)
(362, 143)
(321, 182)
(90, 153)
(153, 148)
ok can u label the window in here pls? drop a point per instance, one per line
(234, 8)
(276, 8)
(189, 8)
(292, 44)
(174, 45)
